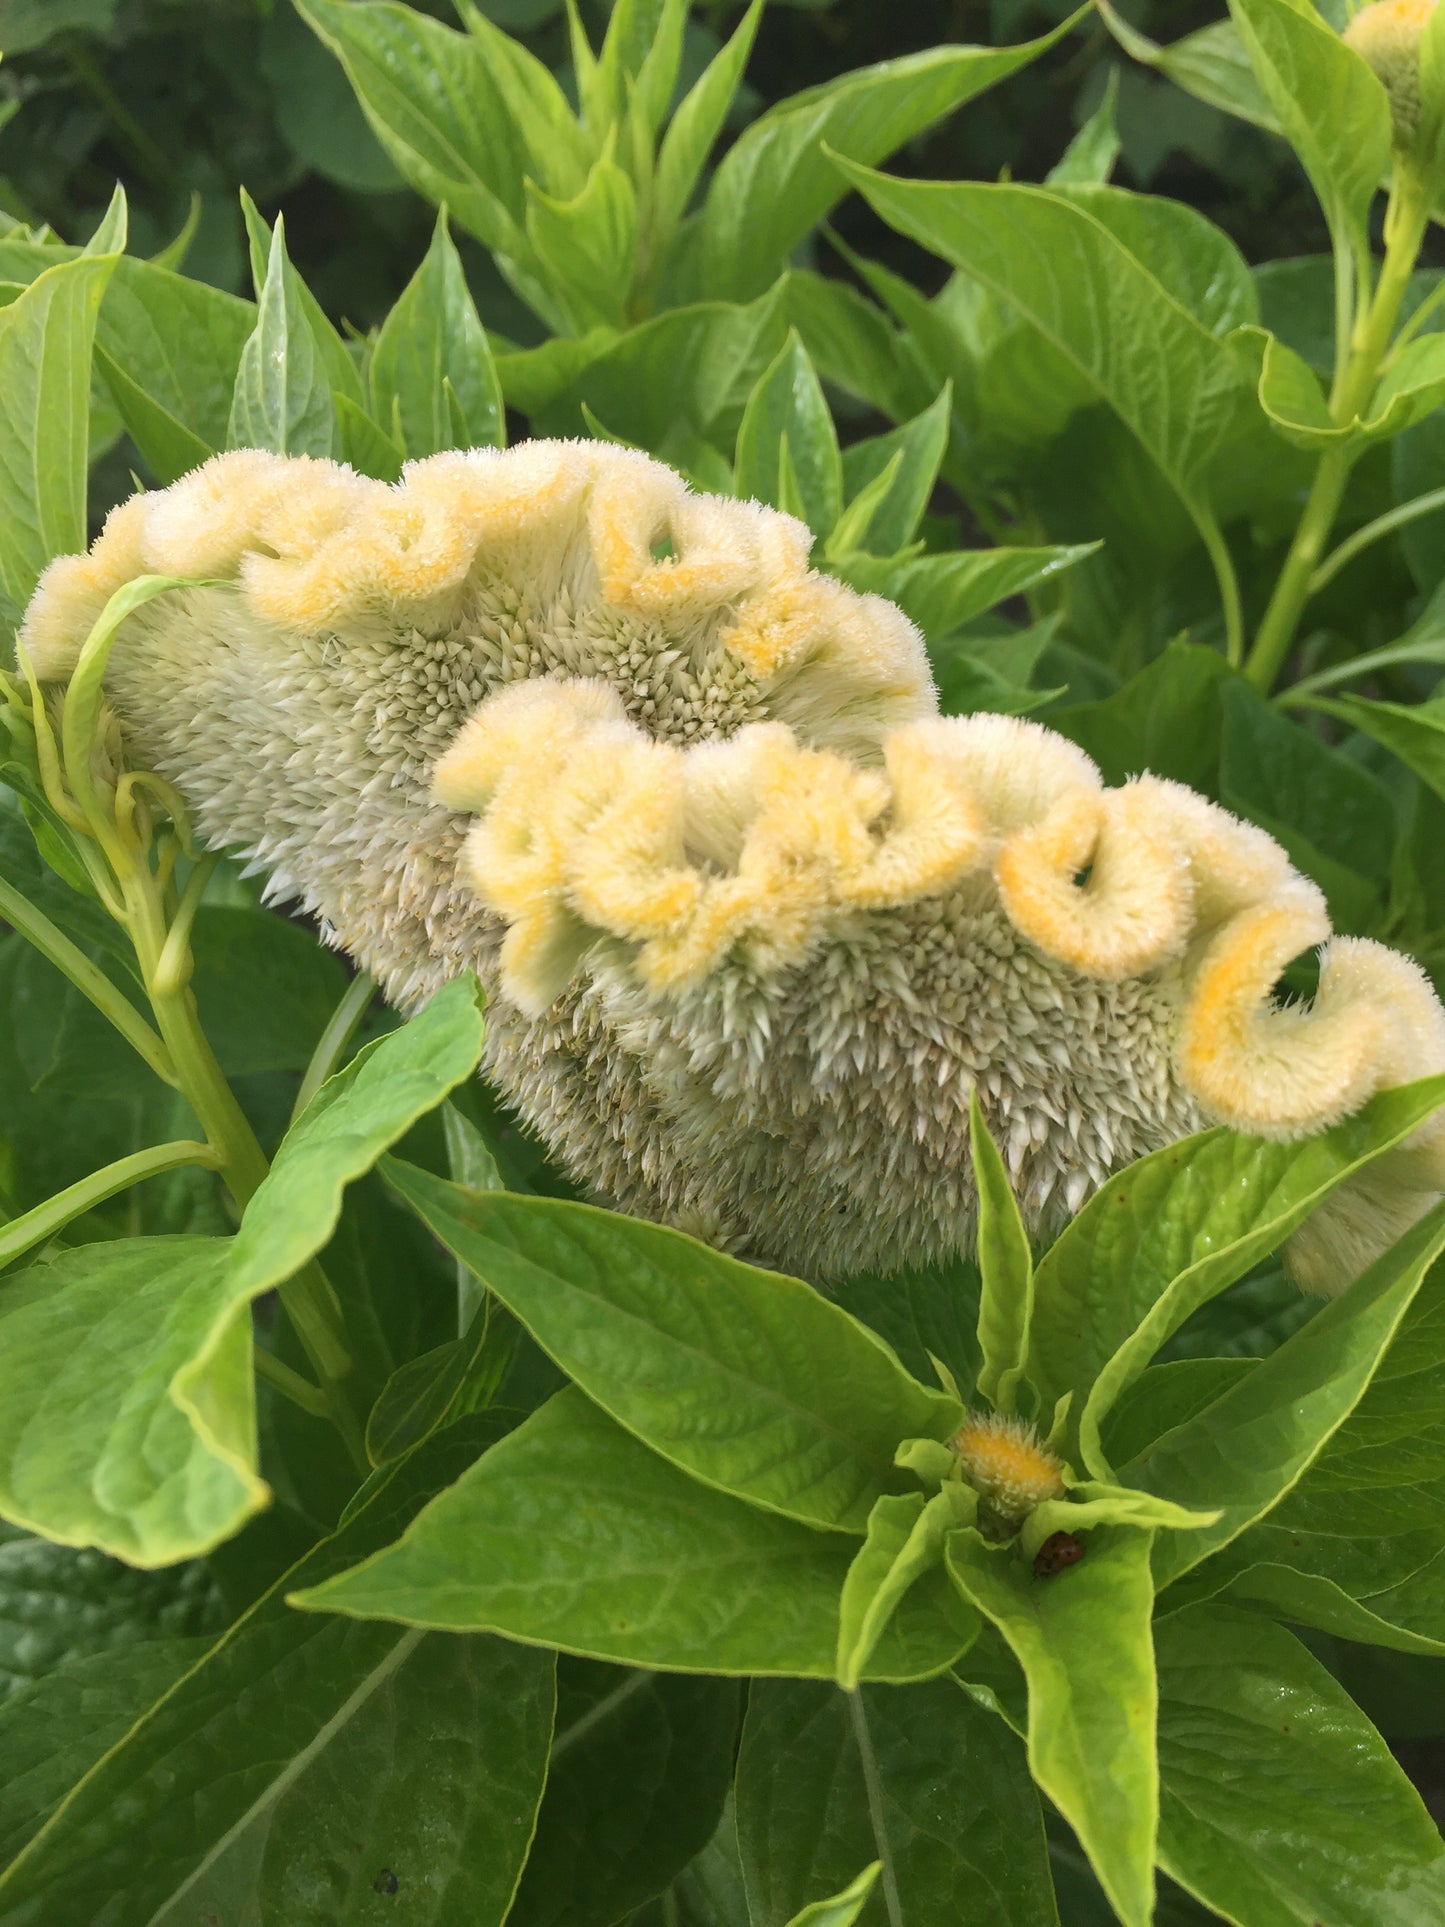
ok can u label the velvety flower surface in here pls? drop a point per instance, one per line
(754, 918)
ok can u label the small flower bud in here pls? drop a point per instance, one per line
(1387, 37)
(1009, 1467)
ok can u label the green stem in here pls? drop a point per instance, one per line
(873, 1787)
(1405, 222)
(291, 1384)
(35, 1227)
(1224, 574)
(340, 1029)
(91, 982)
(1372, 532)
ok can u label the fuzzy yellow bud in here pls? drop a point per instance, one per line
(1387, 37)
(1009, 1467)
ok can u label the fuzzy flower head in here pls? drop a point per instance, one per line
(1387, 37)
(754, 919)
(1009, 1467)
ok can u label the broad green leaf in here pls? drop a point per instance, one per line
(433, 336)
(750, 1381)
(696, 125)
(1165, 1396)
(918, 447)
(917, 1778)
(1210, 63)
(1127, 339)
(420, 1395)
(1006, 1268)
(678, 380)
(316, 112)
(1168, 719)
(467, 118)
(1082, 1639)
(639, 1771)
(45, 351)
(59, 1606)
(361, 443)
(1330, 106)
(1279, 1803)
(787, 419)
(339, 364)
(1174, 1229)
(127, 1409)
(904, 1541)
(1415, 732)
(316, 1755)
(943, 592)
(264, 987)
(1089, 158)
(1406, 1618)
(841, 1909)
(1244, 1452)
(1192, 259)
(27, 24)
(169, 349)
(587, 246)
(572, 1534)
(282, 396)
(776, 181)
(927, 1313)
(855, 346)
(1396, 1434)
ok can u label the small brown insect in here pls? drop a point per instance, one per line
(1060, 1549)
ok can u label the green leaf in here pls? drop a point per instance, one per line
(1129, 341)
(339, 363)
(282, 397)
(1332, 109)
(841, 1909)
(1210, 64)
(264, 987)
(1291, 395)
(45, 347)
(917, 1778)
(421, 1394)
(1415, 732)
(1006, 1267)
(361, 443)
(1280, 1803)
(855, 346)
(918, 446)
(678, 380)
(1173, 1230)
(587, 246)
(127, 1410)
(904, 1541)
(696, 125)
(1167, 719)
(1244, 1452)
(467, 118)
(925, 1312)
(1089, 158)
(317, 1756)
(169, 349)
(59, 1606)
(1082, 1638)
(943, 592)
(639, 1771)
(432, 336)
(750, 1381)
(570, 1533)
(787, 419)
(316, 112)
(1399, 1617)
(776, 181)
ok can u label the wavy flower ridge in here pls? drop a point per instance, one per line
(755, 917)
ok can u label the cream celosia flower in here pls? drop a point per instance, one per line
(754, 918)
(1008, 1466)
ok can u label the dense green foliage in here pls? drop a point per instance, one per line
(391, 1535)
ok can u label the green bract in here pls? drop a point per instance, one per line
(387, 1532)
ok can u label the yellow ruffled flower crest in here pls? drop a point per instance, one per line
(754, 918)
(1008, 1466)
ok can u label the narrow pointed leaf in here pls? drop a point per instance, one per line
(433, 337)
(1006, 1267)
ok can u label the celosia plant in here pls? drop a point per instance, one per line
(688, 1311)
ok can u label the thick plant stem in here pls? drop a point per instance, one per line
(1405, 223)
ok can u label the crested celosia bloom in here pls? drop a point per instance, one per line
(754, 919)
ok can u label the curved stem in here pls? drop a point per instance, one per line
(1223, 563)
(291, 1384)
(341, 1027)
(1372, 532)
(1406, 219)
(34, 1227)
(90, 981)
